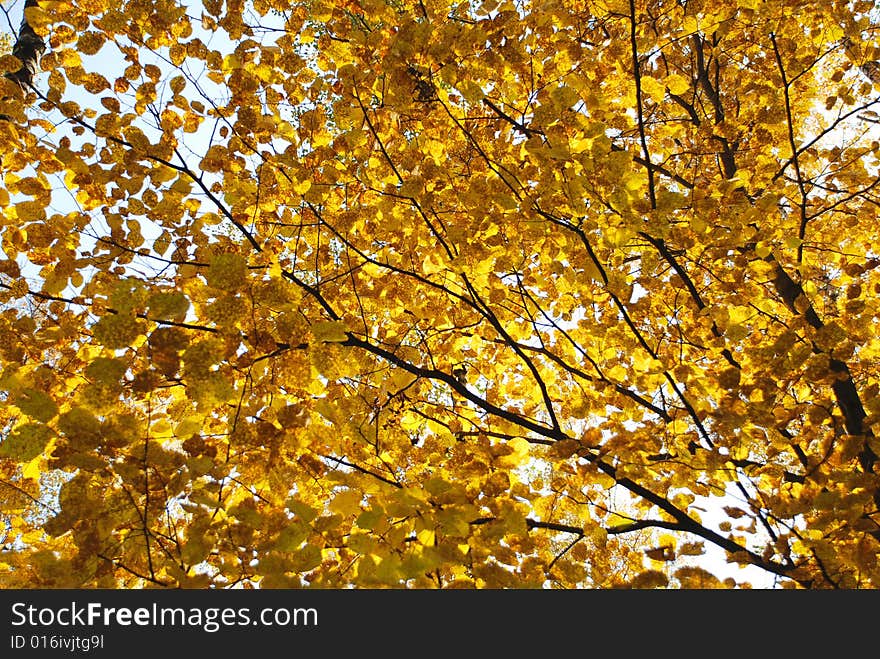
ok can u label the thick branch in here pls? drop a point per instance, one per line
(28, 48)
(639, 103)
(786, 87)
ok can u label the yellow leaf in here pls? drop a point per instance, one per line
(517, 452)
(168, 306)
(433, 263)
(36, 405)
(9, 64)
(90, 43)
(649, 579)
(230, 63)
(564, 97)
(117, 330)
(227, 271)
(329, 331)
(655, 89)
(692, 577)
(426, 537)
(37, 18)
(471, 91)
(307, 558)
(346, 502)
(661, 554)
(26, 442)
(161, 427)
(677, 84)
(34, 468)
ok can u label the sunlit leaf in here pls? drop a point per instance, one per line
(409, 295)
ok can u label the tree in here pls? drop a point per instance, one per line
(428, 294)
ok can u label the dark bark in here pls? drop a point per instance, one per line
(28, 48)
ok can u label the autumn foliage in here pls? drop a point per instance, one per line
(383, 293)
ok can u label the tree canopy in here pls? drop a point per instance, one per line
(383, 293)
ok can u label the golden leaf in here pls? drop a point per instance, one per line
(227, 272)
(329, 331)
(26, 442)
